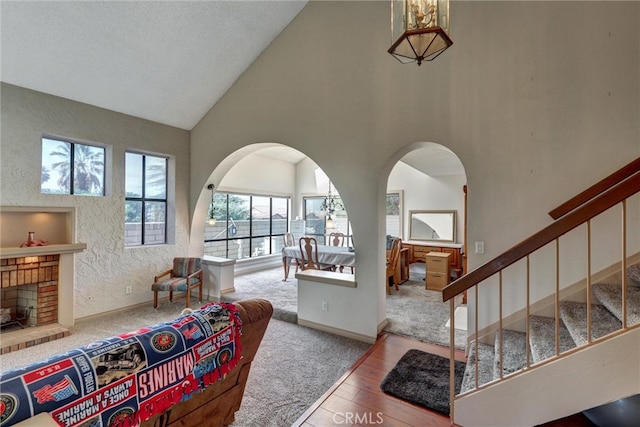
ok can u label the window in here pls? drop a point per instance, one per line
(72, 168)
(145, 199)
(315, 218)
(246, 226)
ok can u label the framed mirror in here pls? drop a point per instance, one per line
(438, 226)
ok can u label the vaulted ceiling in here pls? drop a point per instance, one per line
(166, 61)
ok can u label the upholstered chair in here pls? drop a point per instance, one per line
(185, 275)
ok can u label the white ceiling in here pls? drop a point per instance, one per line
(166, 61)
(435, 160)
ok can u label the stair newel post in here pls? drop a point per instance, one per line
(452, 357)
(589, 281)
(500, 325)
(557, 298)
(624, 264)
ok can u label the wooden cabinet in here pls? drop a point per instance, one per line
(438, 266)
(418, 252)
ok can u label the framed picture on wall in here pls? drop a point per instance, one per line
(394, 213)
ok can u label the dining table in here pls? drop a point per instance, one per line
(333, 255)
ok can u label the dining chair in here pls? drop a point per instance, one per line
(309, 254)
(290, 240)
(336, 239)
(392, 262)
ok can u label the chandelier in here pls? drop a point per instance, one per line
(419, 28)
(330, 205)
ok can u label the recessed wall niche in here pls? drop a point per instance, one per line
(53, 224)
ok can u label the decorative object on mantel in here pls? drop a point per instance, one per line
(33, 242)
(419, 28)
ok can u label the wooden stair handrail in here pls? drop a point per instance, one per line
(548, 234)
(596, 189)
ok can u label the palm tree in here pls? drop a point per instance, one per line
(88, 165)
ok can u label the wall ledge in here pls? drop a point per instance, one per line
(217, 261)
(328, 277)
(18, 252)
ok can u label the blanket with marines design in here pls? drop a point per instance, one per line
(126, 379)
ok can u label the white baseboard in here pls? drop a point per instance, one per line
(337, 331)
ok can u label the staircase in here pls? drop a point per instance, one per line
(524, 368)
(606, 318)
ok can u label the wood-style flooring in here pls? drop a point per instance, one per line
(356, 399)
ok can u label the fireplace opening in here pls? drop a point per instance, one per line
(10, 321)
(28, 294)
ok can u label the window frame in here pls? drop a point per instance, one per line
(227, 223)
(143, 199)
(342, 214)
(106, 165)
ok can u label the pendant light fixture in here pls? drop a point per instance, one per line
(419, 29)
(212, 216)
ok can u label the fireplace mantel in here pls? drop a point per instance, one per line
(17, 252)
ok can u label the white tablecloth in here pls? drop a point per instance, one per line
(334, 255)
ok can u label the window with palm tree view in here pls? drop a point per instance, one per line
(145, 199)
(246, 226)
(72, 168)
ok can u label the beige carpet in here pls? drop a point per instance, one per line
(412, 311)
(293, 367)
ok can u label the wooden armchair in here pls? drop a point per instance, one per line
(185, 275)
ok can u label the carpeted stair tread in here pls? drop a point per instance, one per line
(485, 366)
(514, 353)
(610, 296)
(542, 338)
(574, 315)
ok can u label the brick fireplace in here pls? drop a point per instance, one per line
(29, 286)
(39, 280)
(29, 301)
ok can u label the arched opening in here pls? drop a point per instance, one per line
(260, 193)
(425, 209)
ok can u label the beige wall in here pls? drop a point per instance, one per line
(538, 99)
(106, 267)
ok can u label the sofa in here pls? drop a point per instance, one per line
(191, 371)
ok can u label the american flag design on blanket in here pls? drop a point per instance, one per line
(124, 380)
(56, 392)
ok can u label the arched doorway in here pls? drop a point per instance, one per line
(247, 186)
(427, 180)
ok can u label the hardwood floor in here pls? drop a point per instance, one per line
(356, 399)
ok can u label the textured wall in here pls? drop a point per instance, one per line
(536, 100)
(106, 267)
